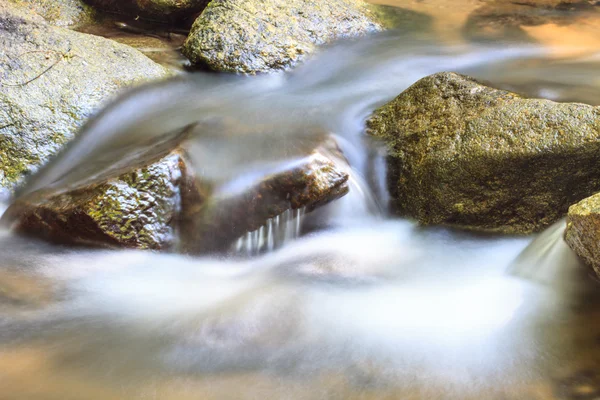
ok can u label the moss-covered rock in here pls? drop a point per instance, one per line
(137, 209)
(65, 13)
(583, 230)
(172, 11)
(51, 80)
(251, 36)
(466, 154)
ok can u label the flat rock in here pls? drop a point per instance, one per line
(465, 154)
(51, 80)
(583, 230)
(251, 36)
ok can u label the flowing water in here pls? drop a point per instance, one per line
(346, 302)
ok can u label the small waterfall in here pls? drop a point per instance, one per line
(274, 234)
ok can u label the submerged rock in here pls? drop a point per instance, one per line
(583, 230)
(66, 13)
(162, 10)
(51, 80)
(462, 153)
(505, 19)
(250, 36)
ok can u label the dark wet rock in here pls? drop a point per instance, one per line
(305, 183)
(583, 230)
(157, 202)
(249, 36)
(65, 13)
(462, 153)
(136, 209)
(505, 19)
(51, 80)
(172, 11)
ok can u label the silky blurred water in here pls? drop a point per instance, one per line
(361, 306)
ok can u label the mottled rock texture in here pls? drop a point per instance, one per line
(65, 13)
(462, 153)
(251, 36)
(137, 209)
(51, 80)
(583, 230)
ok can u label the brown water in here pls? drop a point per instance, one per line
(372, 307)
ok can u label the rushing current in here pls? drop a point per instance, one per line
(346, 302)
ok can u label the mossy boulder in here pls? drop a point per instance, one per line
(172, 11)
(583, 230)
(65, 13)
(463, 153)
(51, 80)
(251, 36)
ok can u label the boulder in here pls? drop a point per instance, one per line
(158, 202)
(252, 36)
(51, 80)
(171, 11)
(136, 209)
(462, 153)
(65, 13)
(583, 230)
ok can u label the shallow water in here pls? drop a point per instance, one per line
(363, 306)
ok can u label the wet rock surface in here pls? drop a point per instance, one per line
(306, 183)
(583, 230)
(462, 153)
(136, 209)
(51, 80)
(159, 202)
(65, 13)
(173, 11)
(249, 36)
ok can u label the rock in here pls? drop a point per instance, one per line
(307, 183)
(51, 80)
(65, 13)
(583, 230)
(461, 153)
(505, 19)
(172, 11)
(250, 36)
(134, 209)
(159, 203)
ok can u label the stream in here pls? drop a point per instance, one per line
(352, 303)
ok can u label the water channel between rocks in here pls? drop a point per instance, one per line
(342, 303)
